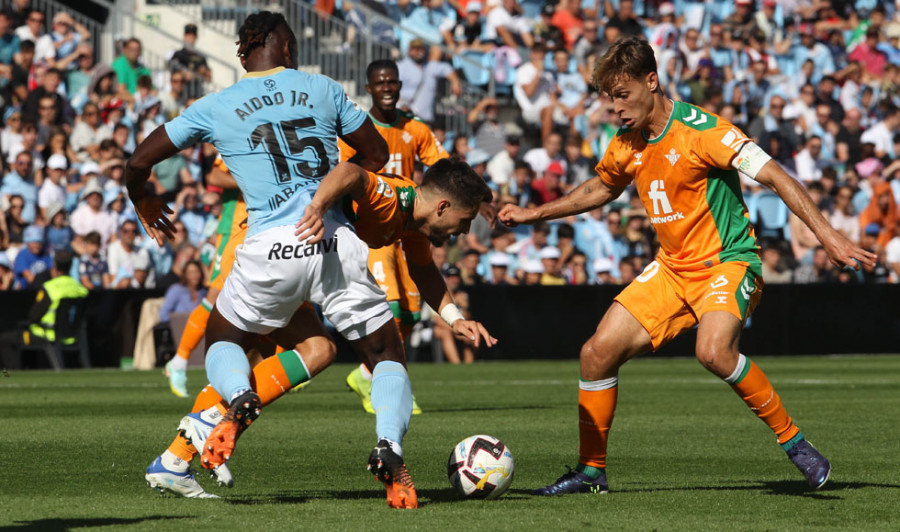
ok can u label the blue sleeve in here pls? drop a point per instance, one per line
(195, 124)
(350, 116)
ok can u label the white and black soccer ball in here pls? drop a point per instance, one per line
(481, 467)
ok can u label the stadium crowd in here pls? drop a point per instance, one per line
(816, 83)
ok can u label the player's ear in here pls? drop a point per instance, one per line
(443, 206)
(653, 81)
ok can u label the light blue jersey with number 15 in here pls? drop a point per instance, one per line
(277, 133)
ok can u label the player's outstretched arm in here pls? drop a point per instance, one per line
(151, 209)
(344, 179)
(589, 195)
(371, 148)
(434, 291)
(840, 250)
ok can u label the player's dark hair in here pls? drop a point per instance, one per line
(456, 178)
(630, 57)
(381, 64)
(256, 29)
(62, 259)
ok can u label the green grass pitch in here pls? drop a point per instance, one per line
(685, 453)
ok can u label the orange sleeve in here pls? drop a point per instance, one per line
(428, 148)
(220, 164)
(608, 168)
(718, 145)
(417, 248)
(346, 150)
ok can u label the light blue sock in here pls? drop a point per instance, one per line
(392, 399)
(228, 369)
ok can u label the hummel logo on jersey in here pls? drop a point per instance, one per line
(637, 159)
(672, 156)
(693, 118)
(734, 139)
(299, 251)
(407, 138)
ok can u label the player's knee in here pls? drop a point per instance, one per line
(595, 353)
(716, 358)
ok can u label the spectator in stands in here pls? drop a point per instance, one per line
(520, 186)
(468, 268)
(881, 134)
(419, 75)
(892, 259)
(568, 98)
(174, 100)
(191, 64)
(540, 157)
(569, 18)
(129, 68)
(578, 167)
(575, 270)
(807, 162)
(78, 77)
(819, 270)
(533, 87)
(89, 132)
(843, 217)
(882, 212)
(172, 174)
(500, 263)
(22, 72)
(506, 26)
(532, 271)
(773, 268)
(587, 47)
(490, 134)
(190, 211)
(130, 265)
(773, 120)
(530, 247)
(90, 216)
(186, 295)
(93, 271)
(9, 44)
(11, 134)
(603, 271)
(503, 164)
(103, 87)
(868, 54)
(58, 234)
(33, 30)
(32, 260)
(878, 273)
(14, 222)
(636, 236)
(53, 191)
(847, 143)
(624, 19)
(467, 33)
(545, 32)
(35, 106)
(67, 35)
(435, 20)
(20, 182)
(550, 260)
(549, 186)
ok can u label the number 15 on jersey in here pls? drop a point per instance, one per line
(272, 137)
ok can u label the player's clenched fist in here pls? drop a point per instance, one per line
(513, 215)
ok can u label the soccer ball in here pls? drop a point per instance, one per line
(480, 467)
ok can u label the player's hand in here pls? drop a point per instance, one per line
(151, 212)
(513, 215)
(473, 331)
(311, 228)
(844, 253)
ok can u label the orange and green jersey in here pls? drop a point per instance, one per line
(686, 182)
(234, 210)
(407, 138)
(381, 218)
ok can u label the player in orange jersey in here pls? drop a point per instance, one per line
(408, 139)
(231, 232)
(684, 162)
(383, 209)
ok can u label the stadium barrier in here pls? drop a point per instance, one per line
(534, 322)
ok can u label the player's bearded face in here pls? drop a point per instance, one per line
(447, 222)
(633, 100)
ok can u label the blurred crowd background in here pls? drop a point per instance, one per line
(814, 82)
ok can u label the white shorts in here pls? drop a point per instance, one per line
(273, 274)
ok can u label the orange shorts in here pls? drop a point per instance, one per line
(668, 302)
(390, 270)
(225, 256)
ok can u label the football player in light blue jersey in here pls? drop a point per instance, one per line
(277, 129)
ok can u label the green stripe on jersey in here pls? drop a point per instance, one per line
(293, 367)
(406, 317)
(229, 202)
(726, 204)
(694, 117)
(745, 290)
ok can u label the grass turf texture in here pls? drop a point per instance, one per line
(685, 453)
